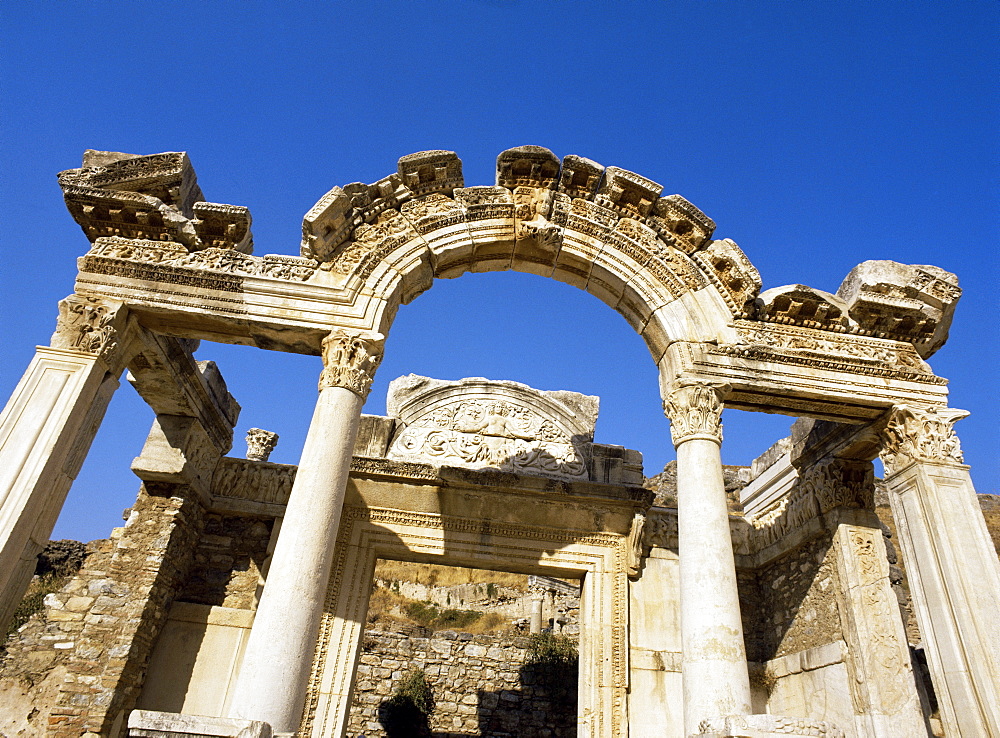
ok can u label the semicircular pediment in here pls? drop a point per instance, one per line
(477, 423)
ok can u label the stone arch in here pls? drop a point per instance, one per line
(607, 231)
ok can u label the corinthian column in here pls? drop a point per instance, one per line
(716, 683)
(950, 563)
(275, 671)
(46, 430)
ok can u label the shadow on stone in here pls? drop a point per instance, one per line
(546, 703)
(406, 714)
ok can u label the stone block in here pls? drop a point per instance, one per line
(151, 724)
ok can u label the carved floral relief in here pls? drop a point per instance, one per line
(915, 434)
(495, 434)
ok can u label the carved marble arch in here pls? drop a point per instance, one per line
(606, 231)
(185, 270)
(695, 300)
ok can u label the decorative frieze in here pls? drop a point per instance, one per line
(350, 361)
(839, 483)
(766, 726)
(253, 480)
(806, 342)
(695, 410)
(107, 251)
(914, 434)
(475, 423)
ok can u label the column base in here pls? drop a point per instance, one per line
(152, 724)
(765, 726)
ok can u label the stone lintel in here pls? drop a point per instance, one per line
(172, 382)
(178, 451)
(813, 440)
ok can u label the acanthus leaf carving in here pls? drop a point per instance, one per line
(916, 434)
(350, 360)
(695, 409)
(89, 325)
(260, 444)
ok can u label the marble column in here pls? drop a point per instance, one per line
(714, 664)
(46, 430)
(275, 672)
(950, 563)
(535, 624)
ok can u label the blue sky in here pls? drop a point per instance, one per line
(816, 134)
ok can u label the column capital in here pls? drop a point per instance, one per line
(694, 408)
(920, 434)
(260, 444)
(350, 359)
(92, 326)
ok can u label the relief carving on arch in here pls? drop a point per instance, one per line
(499, 435)
(480, 424)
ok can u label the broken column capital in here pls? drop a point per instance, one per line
(260, 444)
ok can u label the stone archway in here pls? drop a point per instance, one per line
(166, 266)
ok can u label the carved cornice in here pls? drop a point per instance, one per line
(91, 326)
(695, 410)
(920, 435)
(350, 361)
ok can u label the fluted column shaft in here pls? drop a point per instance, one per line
(275, 672)
(715, 677)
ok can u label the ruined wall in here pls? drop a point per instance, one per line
(797, 602)
(481, 686)
(76, 667)
(228, 561)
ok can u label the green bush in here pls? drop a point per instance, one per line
(432, 616)
(552, 649)
(551, 667)
(407, 713)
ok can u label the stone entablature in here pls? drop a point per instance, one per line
(368, 248)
